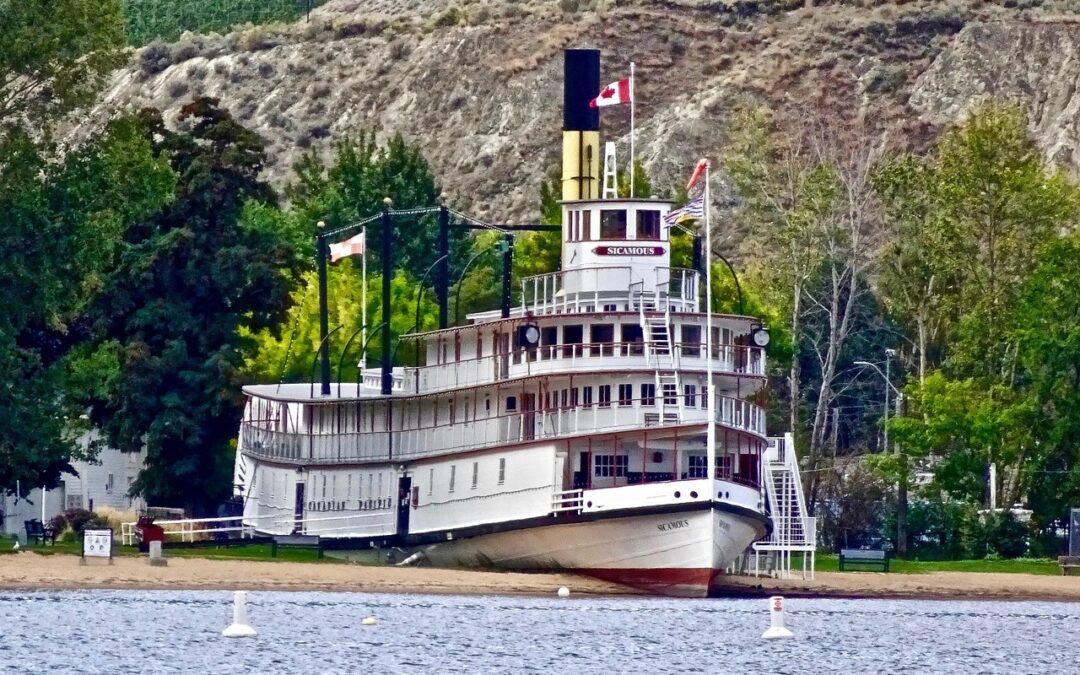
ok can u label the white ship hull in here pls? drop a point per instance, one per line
(678, 553)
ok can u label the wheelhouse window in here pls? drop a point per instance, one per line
(691, 340)
(610, 466)
(648, 224)
(613, 224)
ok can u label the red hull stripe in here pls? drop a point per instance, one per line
(664, 580)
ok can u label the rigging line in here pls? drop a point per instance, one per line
(481, 223)
(411, 212)
(292, 336)
(359, 223)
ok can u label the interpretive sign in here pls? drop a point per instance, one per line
(97, 544)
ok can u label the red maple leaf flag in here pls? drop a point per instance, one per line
(613, 94)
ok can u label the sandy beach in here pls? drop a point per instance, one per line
(32, 571)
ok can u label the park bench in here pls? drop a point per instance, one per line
(1069, 564)
(36, 531)
(296, 541)
(861, 556)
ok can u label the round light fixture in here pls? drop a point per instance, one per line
(760, 337)
(531, 334)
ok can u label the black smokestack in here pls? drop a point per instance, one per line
(581, 84)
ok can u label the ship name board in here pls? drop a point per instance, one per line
(628, 250)
(673, 525)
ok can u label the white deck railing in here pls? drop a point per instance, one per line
(428, 440)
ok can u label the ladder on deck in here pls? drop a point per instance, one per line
(663, 355)
(793, 531)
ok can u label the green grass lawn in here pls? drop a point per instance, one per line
(831, 563)
(245, 552)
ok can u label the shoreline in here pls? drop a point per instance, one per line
(26, 571)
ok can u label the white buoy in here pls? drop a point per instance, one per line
(564, 592)
(239, 627)
(776, 614)
(368, 621)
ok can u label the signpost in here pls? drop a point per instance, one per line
(97, 544)
(1074, 532)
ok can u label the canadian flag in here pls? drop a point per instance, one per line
(613, 94)
(344, 249)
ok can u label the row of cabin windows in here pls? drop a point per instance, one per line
(617, 466)
(475, 476)
(613, 225)
(601, 333)
(568, 398)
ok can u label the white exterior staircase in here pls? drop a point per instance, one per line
(663, 355)
(793, 531)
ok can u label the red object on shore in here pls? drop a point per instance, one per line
(147, 532)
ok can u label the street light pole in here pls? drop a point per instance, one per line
(902, 482)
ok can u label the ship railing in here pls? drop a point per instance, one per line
(594, 288)
(567, 500)
(467, 428)
(549, 359)
(739, 414)
(187, 528)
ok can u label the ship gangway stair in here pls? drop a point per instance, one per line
(793, 531)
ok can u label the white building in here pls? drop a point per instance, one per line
(104, 482)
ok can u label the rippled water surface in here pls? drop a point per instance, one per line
(173, 632)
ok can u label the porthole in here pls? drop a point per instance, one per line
(588, 504)
(719, 495)
(677, 494)
(693, 495)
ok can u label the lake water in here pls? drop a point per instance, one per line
(179, 632)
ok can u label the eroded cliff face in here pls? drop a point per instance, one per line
(480, 89)
(1034, 64)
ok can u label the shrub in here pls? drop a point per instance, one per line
(178, 88)
(154, 58)
(78, 520)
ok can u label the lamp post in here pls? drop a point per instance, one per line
(902, 483)
(889, 353)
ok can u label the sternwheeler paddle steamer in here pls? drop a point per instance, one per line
(605, 426)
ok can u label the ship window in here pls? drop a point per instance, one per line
(626, 394)
(453, 476)
(705, 396)
(648, 394)
(691, 394)
(475, 474)
(613, 224)
(431, 481)
(573, 397)
(648, 224)
(487, 404)
(691, 340)
(631, 333)
(605, 395)
(572, 338)
(549, 337)
(564, 398)
(610, 466)
(602, 336)
(611, 308)
(502, 470)
(586, 396)
(511, 403)
(586, 224)
(699, 467)
(671, 394)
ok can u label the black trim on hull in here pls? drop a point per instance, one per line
(442, 536)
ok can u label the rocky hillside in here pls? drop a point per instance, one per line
(479, 86)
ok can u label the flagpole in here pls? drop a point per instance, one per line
(363, 299)
(710, 438)
(632, 97)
